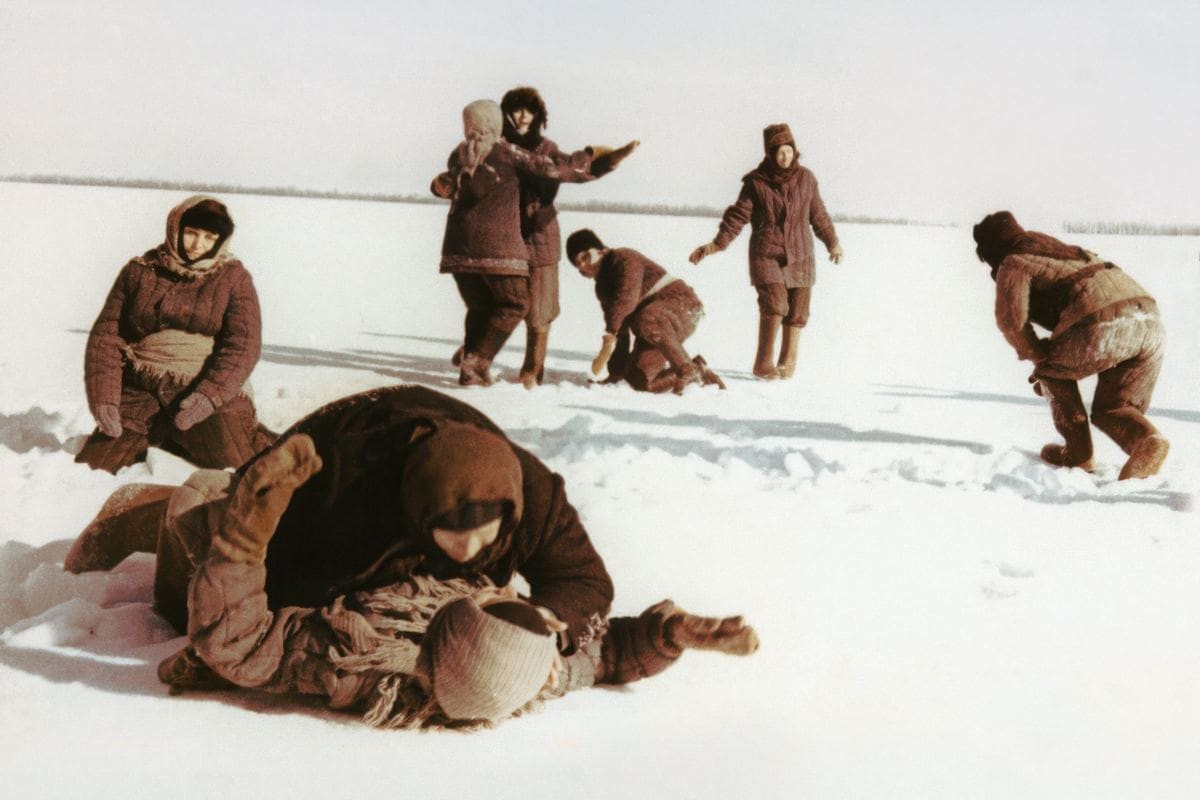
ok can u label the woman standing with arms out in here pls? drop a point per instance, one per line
(525, 118)
(779, 199)
(170, 352)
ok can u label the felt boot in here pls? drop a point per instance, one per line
(1070, 419)
(1129, 428)
(1146, 457)
(534, 367)
(475, 369)
(787, 351)
(128, 523)
(764, 359)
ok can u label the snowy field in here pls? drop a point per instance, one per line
(942, 616)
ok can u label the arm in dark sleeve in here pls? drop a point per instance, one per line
(735, 217)
(627, 291)
(236, 347)
(1012, 311)
(574, 170)
(102, 365)
(565, 573)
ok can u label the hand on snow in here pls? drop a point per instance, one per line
(606, 159)
(607, 346)
(702, 252)
(193, 409)
(836, 254)
(728, 634)
(261, 497)
(108, 420)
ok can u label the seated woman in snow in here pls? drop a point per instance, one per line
(168, 356)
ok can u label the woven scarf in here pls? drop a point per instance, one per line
(170, 353)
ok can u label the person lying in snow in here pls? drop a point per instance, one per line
(169, 354)
(414, 653)
(660, 311)
(1101, 323)
(413, 482)
(483, 246)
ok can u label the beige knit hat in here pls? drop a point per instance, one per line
(484, 667)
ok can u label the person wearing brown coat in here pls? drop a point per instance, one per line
(1101, 322)
(780, 200)
(414, 653)
(525, 118)
(660, 311)
(482, 247)
(169, 354)
(412, 482)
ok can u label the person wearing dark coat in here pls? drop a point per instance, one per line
(169, 355)
(781, 202)
(1101, 322)
(416, 652)
(412, 482)
(659, 310)
(525, 119)
(482, 247)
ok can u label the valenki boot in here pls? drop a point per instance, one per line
(534, 367)
(1137, 436)
(476, 364)
(1070, 419)
(787, 351)
(764, 359)
(128, 523)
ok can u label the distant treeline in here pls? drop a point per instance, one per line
(1131, 228)
(595, 206)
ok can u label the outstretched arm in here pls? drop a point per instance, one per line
(732, 222)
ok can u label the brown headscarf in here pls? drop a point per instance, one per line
(167, 254)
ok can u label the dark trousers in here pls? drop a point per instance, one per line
(497, 302)
(777, 300)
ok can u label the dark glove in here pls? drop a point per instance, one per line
(108, 420)
(193, 409)
(606, 159)
(1037, 384)
(261, 497)
(184, 671)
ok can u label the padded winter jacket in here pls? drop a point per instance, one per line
(1059, 294)
(782, 217)
(627, 279)
(483, 228)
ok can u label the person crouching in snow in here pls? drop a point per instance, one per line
(660, 310)
(1101, 323)
(168, 357)
(483, 248)
(413, 483)
(779, 199)
(524, 120)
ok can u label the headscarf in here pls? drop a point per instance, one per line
(168, 255)
(482, 126)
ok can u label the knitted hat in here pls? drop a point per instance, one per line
(580, 240)
(483, 117)
(995, 236)
(460, 465)
(209, 215)
(485, 667)
(525, 97)
(777, 135)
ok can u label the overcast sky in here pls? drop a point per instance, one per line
(937, 111)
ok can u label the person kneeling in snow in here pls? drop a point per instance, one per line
(1101, 322)
(414, 483)
(640, 297)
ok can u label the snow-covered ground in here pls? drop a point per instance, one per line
(941, 614)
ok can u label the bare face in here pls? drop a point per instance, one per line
(197, 242)
(522, 119)
(462, 546)
(588, 261)
(785, 154)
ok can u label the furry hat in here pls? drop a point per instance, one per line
(580, 240)
(777, 135)
(525, 97)
(209, 215)
(995, 235)
(487, 665)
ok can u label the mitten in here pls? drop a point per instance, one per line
(193, 409)
(836, 254)
(728, 635)
(108, 420)
(606, 159)
(607, 345)
(702, 252)
(442, 186)
(261, 497)
(184, 671)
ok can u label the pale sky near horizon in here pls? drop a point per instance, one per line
(937, 111)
